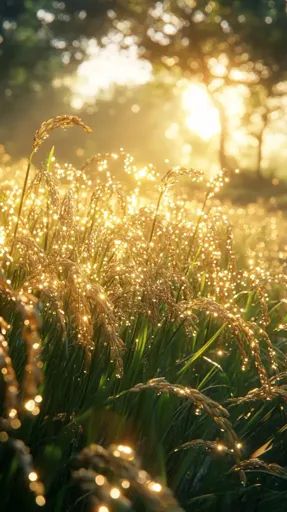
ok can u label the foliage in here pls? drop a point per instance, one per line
(219, 43)
(163, 327)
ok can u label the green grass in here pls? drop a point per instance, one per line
(156, 325)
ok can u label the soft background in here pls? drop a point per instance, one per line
(173, 80)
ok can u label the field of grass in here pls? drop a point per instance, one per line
(143, 345)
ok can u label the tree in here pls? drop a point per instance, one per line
(266, 107)
(221, 43)
(197, 37)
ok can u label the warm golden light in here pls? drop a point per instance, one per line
(154, 487)
(202, 117)
(103, 508)
(115, 493)
(100, 480)
(33, 476)
(40, 500)
(106, 67)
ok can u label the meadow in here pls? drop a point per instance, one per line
(143, 340)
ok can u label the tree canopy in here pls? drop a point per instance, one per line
(218, 42)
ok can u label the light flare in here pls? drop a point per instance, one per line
(202, 117)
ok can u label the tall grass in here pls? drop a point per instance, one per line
(138, 325)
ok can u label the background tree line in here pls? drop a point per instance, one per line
(185, 37)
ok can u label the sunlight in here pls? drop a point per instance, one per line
(202, 117)
(106, 67)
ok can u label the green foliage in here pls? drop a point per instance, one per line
(170, 343)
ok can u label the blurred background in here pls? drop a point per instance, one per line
(186, 82)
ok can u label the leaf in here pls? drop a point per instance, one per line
(201, 351)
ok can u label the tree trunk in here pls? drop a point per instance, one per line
(222, 138)
(222, 157)
(260, 146)
(223, 161)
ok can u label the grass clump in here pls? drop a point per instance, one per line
(139, 325)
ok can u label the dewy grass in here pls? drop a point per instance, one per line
(40, 136)
(139, 329)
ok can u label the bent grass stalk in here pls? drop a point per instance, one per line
(114, 329)
(40, 136)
